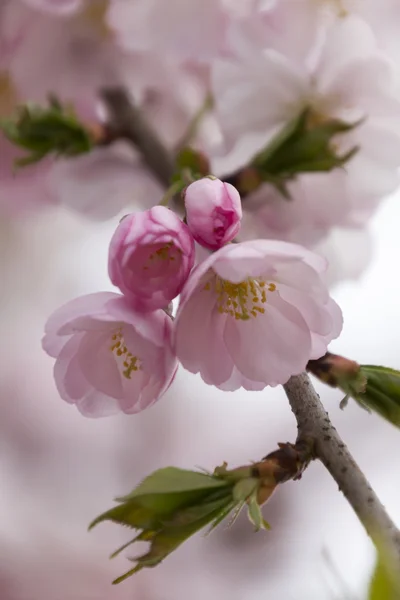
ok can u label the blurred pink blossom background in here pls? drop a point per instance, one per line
(58, 469)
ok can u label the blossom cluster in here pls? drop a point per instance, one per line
(251, 314)
(262, 63)
(294, 105)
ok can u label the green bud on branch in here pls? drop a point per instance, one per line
(374, 388)
(305, 145)
(172, 504)
(44, 131)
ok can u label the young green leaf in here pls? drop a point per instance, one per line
(255, 514)
(382, 392)
(303, 146)
(170, 536)
(171, 480)
(42, 131)
(375, 388)
(172, 504)
(385, 582)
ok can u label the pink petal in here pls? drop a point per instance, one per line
(150, 329)
(85, 306)
(99, 364)
(97, 405)
(198, 338)
(349, 39)
(237, 380)
(315, 314)
(101, 184)
(270, 347)
(297, 275)
(70, 382)
(320, 342)
(53, 344)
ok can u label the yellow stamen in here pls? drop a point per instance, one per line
(167, 252)
(119, 348)
(240, 300)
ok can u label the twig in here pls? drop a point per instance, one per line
(126, 122)
(193, 127)
(313, 422)
(314, 425)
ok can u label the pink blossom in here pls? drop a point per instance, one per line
(253, 314)
(22, 190)
(108, 357)
(182, 29)
(151, 255)
(213, 212)
(102, 183)
(348, 79)
(320, 202)
(71, 57)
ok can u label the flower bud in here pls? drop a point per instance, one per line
(150, 257)
(213, 212)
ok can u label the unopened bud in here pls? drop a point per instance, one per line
(213, 212)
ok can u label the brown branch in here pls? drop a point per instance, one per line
(126, 122)
(314, 426)
(313, 422)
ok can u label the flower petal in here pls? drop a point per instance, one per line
(272, 346)
(90, 306)
(99, 364)
(198, 338)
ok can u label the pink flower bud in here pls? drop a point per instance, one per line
(150, 257)
(213, 212)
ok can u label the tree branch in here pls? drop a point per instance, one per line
(314, 425)
(313, 422)
(127, 122)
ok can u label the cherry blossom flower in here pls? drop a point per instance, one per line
(151, 255)
(102, 183)
(71, 57)
(320, 202)
(108, 357)
(213, 212)
(25, 190)
(184, 30)
(350, 80)
(253, 314)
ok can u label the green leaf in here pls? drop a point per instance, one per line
(172, 504)
(172, 479)
(222, 515)
(130, 514)
(382, 392)
(255, 514)
(42, 131)
(169, 538)
(160, 495)
(290, 132)
(304, 145)
(385, 583)
(151, 510)
(245, 488)
(192, 514)
(193, 160)
(375, 388)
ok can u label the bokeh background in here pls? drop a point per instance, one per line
(59, 470)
